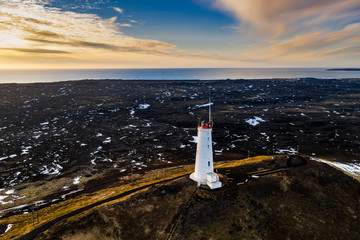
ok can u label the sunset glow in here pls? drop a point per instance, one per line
(44, 34)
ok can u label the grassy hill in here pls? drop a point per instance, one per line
(266, 198)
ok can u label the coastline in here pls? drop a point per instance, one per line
(179, 80)
(343, 69)
(32, 76)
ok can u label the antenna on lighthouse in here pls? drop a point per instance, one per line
(209, 109)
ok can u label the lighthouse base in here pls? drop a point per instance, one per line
(212, 180)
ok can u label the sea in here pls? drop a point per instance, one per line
(34, 76)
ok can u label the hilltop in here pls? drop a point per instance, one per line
(282, 198)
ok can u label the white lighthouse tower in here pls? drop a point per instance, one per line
(204, 164)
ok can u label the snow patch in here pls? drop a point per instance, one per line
(195, 139)
(3, 158)
(167, 93)
(14, 208)
(242, 138)
(286, 151)
(143, 106)
(52, 170)
(37, 136)
(2, 199)
(25, 150)
(11, 191)
(254, 121)
(218, 152)
(9, 226)
(244, 106)
(72, 192)
(107, 160)
(76, 180)
(350, 168)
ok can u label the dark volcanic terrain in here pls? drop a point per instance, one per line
(81, 128)
(84, 127)
(305, 200)
(85, 140)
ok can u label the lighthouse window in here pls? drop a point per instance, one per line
(208, 138)
(208, 163)
(208, 146)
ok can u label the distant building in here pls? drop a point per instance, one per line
(204, 163)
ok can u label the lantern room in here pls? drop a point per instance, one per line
(206, 125)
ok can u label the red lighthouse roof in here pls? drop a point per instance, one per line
(205, 124)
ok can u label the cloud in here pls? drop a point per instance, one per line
(119, 10)
(43, 34)
(309, 47)
(320, 40)
(125, 25)
(293, 31)
(28, 50)
(352, 50)
(284, 17)
(34, 34)
(79, 4)
(150, 47)
(31, 24)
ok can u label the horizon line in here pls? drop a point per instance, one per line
(150, 68)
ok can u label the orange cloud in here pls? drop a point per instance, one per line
(319, 40)
(296, 31)
(309, 47)
(279, 17)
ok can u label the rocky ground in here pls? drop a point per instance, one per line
(81, 128)
(273, 199)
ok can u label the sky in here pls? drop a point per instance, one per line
(51, 34)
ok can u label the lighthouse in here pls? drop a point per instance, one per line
(204, 163)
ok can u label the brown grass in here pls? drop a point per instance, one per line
(23, 223)
(39, 190)
(93, 234)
